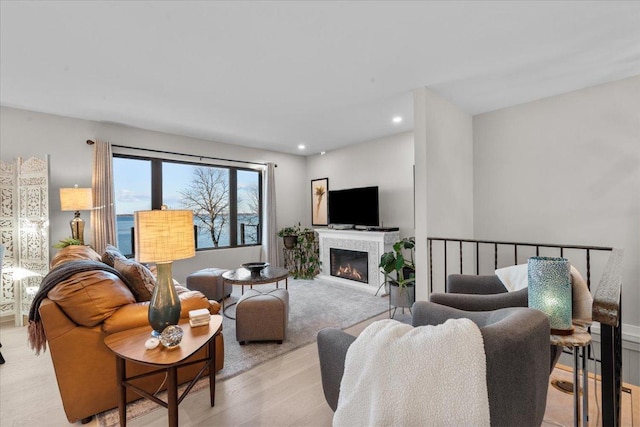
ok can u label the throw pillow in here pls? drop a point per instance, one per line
(111, 253)
(514, 277)
(139, 277)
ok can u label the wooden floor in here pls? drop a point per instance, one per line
(285, 391)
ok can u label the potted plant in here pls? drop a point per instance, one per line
(306, 257)
(69, 241)
(290, 236)
(402, 284)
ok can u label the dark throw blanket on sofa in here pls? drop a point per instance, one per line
(37, 338)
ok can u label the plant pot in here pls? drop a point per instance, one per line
(408, 272)
(290, 241)
(401, 297)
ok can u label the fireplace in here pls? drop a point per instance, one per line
(373, 243)
(349, 264)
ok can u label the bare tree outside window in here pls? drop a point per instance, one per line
(208, 197)
(253, 198)
(249, 199)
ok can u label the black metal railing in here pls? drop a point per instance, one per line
(606, 301)
(607, 305)
(243, 233)
(479, 245)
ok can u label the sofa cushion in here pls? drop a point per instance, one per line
(111, 253)
(89, 297)
(139, 277)
(74, 253)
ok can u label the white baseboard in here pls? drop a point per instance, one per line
(630, 335)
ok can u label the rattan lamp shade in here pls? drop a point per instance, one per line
(76, 199)
(164, 235)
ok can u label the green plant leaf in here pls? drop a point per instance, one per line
(399, 262)
(69, 241)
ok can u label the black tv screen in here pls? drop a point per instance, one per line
(357, 206)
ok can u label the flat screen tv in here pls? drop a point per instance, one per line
(357, 206)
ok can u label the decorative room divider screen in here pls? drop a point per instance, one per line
(606, 297)
(24, 230)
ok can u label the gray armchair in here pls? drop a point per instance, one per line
(516, 343)
(485, 293)
(479, 293)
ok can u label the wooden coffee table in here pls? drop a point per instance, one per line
(129, 345)
(243, 277)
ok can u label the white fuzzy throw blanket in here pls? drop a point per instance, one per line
(398, 375)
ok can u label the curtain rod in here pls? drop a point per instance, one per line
(90, 142)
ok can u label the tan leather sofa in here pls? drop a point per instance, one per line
(78, 314)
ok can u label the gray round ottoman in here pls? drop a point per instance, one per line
(262, 316)
(209, 281)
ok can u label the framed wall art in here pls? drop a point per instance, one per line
(319, 195)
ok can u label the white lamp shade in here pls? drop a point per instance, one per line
(164, 235)
(76, 199)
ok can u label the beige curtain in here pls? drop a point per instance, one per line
(103, 217)
(269, 230)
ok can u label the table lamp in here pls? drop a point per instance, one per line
(550, 291)
(76, 199)
(163, 236)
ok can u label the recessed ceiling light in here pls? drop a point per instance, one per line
(322, 153)
(301, 147)
(397, 119)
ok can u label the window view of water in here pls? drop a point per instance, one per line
(208, 189)
(124, 224)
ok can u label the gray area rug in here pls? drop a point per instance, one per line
(313, 305)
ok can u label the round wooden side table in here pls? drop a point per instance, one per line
(578, 341)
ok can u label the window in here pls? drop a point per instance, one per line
(132, 188)
(248, 207)
(225, 200)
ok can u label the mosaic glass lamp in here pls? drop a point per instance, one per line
(550, 291)
(164, 236)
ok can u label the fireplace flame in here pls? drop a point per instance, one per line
(349, 272)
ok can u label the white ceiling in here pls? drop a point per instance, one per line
(326, 74)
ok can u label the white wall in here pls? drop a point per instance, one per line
(444, 175)
(565, 169)
(385, 162)
(26, 134)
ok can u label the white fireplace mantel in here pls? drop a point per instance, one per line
(374, 243)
